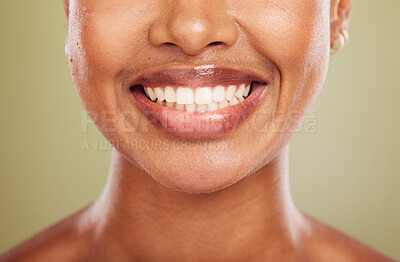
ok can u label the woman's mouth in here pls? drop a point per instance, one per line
(200, 102)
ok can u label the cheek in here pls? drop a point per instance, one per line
(289, 34)
(102, 40)
(295, 36)
(101, 45)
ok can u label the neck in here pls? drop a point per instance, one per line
(254, 218)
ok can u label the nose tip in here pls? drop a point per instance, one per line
(193, 30)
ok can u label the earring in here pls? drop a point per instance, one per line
(343, 41)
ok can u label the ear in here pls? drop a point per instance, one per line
(340, 18)
(66, 8)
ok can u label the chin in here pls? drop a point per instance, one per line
(195, 172)
(196, 182)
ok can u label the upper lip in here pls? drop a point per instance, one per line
(196, 76)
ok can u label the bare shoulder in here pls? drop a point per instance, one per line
(325, 243)
(60, 242)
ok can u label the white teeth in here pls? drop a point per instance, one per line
(246, 91)
(170, 104)
(159, 93)
(234, 101)
(160, 102)
(230, 93)
(184, 95)
(190, 108)
(223, 104)
(240, 91)
(201, 108)
(180, 106)
(170, 94)
(212, 106)
(203, 96)
(145, 90)
(219, 94)
(151, 94)
(202, 99)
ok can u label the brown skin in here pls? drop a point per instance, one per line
(200, 203)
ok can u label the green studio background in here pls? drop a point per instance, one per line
(344, 162)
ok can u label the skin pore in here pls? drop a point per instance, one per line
(224, 198)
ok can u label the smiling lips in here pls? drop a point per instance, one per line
(200, 102)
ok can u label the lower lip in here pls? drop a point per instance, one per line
(198, 125)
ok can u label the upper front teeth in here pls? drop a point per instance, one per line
(184, 95)
(219, 94)
(169, 94)
(201, 98)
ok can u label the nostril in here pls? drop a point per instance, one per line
(168, 44)
(215, 43)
